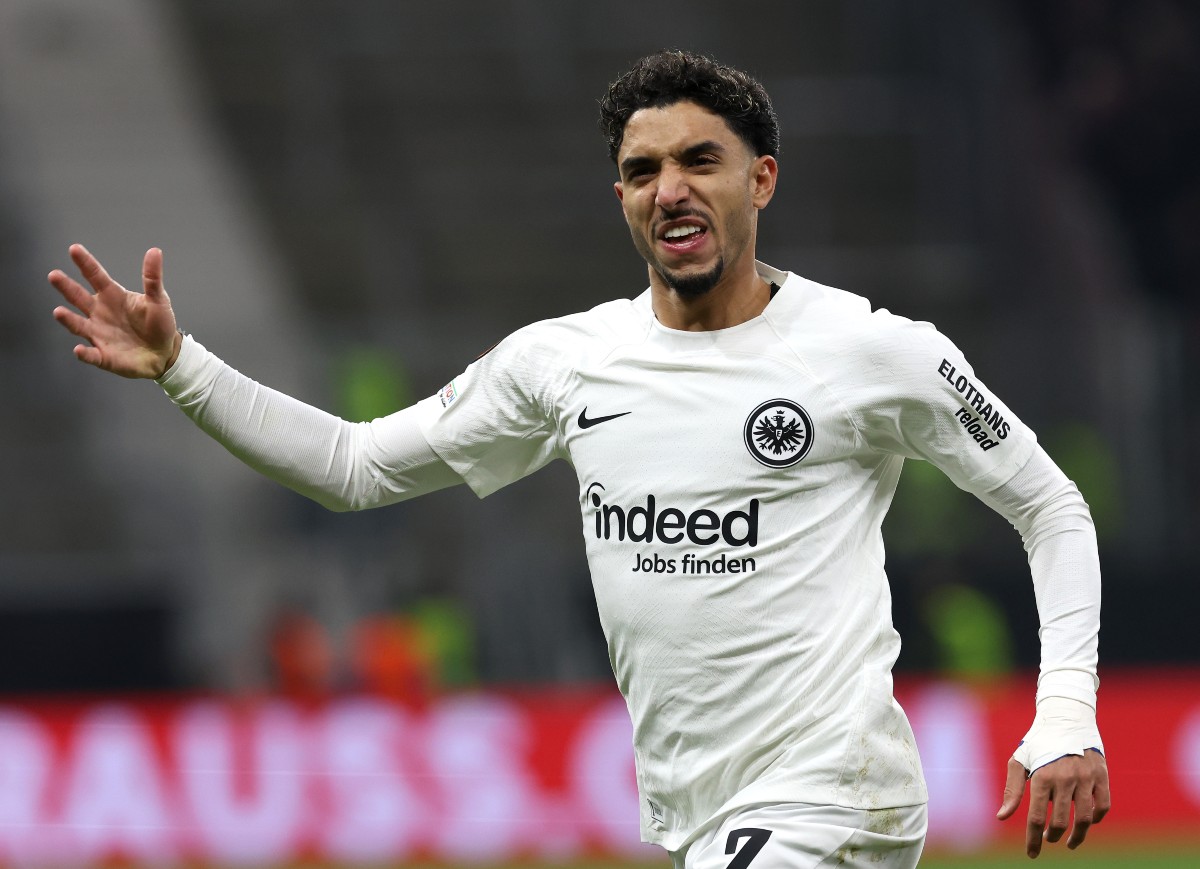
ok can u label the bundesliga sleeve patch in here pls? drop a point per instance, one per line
(448, 394)
(778, 433)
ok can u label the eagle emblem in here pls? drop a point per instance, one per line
(778, 433)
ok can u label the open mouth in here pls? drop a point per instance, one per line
(683, 237)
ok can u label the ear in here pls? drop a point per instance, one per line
(620, 191)
(764, 172)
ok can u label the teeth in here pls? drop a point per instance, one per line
(681, 231)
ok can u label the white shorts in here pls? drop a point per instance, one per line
(802, 836)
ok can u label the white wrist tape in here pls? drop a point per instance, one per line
(1061, 726)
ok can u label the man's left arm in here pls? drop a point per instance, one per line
(1061, 756)
(918, 397)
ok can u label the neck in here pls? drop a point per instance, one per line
(734, 300)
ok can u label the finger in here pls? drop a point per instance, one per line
(74, 323)
(1060, 814)
(91, 269)
(70, 290)
(88, 354)
(152, 274)
(1035, 824)
(1101, 795)
(1093, 799)
(1083, 820)
(1014, 790)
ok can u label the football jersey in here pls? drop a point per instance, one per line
(732, 486)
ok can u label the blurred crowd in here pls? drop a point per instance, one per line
(368, 143)
(1122, 78)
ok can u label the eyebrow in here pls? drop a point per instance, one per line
(631, 164)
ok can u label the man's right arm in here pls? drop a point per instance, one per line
(345, 466)
(339, 464)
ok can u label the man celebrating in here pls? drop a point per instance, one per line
(738, 432)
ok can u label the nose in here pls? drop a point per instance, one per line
(673, 189)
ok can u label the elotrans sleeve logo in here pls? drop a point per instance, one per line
(778, 433)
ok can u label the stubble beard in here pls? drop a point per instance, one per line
(688, 286)
(693, 286)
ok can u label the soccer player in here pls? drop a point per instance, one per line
(738, 432)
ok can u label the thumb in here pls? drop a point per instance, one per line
(1014, 789)
(152, 274)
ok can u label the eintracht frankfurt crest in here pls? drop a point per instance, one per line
(778, 433)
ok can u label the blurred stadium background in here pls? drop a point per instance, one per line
(355, 198)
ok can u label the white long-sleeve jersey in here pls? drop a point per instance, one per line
(732, 485)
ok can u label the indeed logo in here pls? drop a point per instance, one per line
(648, 523)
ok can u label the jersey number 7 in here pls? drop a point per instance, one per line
(755, 839)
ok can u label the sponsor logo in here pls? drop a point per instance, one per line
(981, 415)
(448, 394)
(585, 422)
(651, 522)
(778, 433)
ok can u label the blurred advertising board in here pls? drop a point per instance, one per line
(544, 774)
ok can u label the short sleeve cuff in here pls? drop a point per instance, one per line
(428, 413)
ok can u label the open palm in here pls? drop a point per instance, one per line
(130, 334)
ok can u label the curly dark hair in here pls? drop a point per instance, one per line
(668, 77)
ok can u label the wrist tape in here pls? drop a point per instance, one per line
(1061, 726)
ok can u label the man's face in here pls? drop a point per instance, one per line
(690, 190)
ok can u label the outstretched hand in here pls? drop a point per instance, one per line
(130, 334)
(1076, 781)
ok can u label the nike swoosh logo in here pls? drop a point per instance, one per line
(584, 422)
